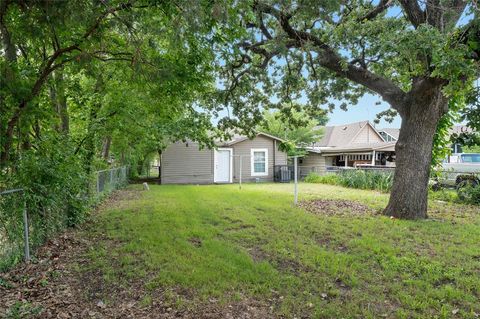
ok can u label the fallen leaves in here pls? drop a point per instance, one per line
(330, 207)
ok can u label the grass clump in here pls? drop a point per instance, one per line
(330, 179)
(469, 194)
(361, 179)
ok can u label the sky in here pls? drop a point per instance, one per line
(366, 109)
(370, 105)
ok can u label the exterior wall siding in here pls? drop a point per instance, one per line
(183, 164)
(329, 160)
(190, 165)
(244, 149)
(367, 135)
(313, 162)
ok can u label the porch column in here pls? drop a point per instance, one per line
(373, 158)
(346, 160)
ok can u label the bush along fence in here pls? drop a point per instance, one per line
(29, 216)
(14, 227)
(356, 178)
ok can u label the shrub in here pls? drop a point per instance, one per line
(56, 194)
(331, 179)
(469, 194)
(443, 194)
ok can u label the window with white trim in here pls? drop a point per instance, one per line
(259, 161)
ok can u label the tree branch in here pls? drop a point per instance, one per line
(45, 71)
(381, 7)
(414, 13)
(330, 60)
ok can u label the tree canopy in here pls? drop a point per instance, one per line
(298, 129)
(125, 73)
(108, 82)
(420, 57)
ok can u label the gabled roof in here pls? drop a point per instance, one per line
(240, 138)
(342, 135)
(458, 129)
(393, 132)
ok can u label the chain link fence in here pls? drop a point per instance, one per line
(24, 227)
(111, 179)
(13, 228)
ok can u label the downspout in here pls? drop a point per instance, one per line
(274, 149)
(274, 160)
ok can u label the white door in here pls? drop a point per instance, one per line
(222, 166)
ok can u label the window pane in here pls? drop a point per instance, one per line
(259, 167)
(259, 156)
(259, 162)
(471, 158)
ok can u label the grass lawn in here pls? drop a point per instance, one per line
(217, 244)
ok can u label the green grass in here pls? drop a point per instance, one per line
(229, 244)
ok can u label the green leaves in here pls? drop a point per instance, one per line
(296, 127)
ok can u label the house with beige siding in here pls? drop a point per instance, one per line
(252, 160)
(349, 145)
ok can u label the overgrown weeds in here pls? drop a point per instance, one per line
(375, 180)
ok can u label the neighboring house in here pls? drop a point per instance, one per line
(350, 145)
(389, 134)
(186, 163)
(457, 148)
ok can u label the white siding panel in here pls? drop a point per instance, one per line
(367, 135)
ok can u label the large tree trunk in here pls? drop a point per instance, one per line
(59, 99)
(91, 131)
(408, 198)
(107, 141)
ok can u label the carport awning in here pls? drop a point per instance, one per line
(356, 149)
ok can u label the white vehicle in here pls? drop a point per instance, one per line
(461, 169)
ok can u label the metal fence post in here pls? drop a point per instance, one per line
(240, 177)
(98, 182)
(25, 229)
(295, 173)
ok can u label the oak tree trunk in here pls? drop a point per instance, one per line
(106, 148)
(59, 99)
(408, 197)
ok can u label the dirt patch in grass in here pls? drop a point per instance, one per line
(195, 241)
(282, 264)
(119, 199)
(330, 207)
(239, 227)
